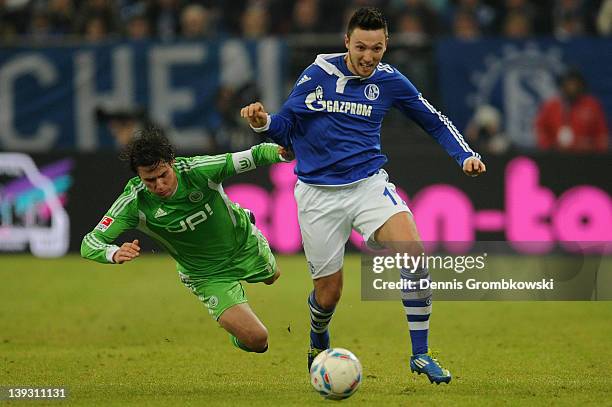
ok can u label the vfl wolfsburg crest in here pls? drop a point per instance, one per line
(213, 301)
(196, 196)
(243, 161)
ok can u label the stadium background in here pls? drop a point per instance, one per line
(71, 71)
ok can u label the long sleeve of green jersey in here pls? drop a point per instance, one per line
(219, 167)
(98, 245)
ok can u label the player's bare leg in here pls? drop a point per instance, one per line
(328, 289)
(399, 233)
(241, 322)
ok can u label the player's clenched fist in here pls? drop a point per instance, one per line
(128, 251)
(474, 167)
(255, 113)
(286, 154)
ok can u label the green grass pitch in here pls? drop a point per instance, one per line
(134, 335)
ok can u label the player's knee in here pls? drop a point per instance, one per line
(258, 340)
(329, 297)
(328, 290)
(275, 277)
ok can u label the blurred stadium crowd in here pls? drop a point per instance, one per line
(416, 20)
(415, 27)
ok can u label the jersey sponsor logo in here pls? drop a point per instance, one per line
(195, 196)
(191, 221)
(319, 92)
(316, 96)
(371, 91)
(304, 79)
(314, 101)
(160, 212)
(105, 223)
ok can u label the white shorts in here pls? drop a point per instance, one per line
(327, 214)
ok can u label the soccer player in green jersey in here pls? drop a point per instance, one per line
(180, 203)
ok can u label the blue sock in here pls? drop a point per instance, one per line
(417, 304)
(319, 323)
(417, 314)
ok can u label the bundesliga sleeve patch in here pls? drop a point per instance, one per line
(105, 223)
(243, 161)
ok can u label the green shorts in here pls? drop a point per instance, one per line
(255, 265)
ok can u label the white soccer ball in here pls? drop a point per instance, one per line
(336, 374)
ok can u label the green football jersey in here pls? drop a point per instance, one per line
(198, 225)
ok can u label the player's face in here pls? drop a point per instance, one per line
(365, 50)
(159, 179)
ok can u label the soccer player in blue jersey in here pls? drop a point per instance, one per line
(332, 121)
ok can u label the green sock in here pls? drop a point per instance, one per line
(242, 346)
(239, 344)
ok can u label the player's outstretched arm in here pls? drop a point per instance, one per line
(257, 156)
(270, 153)
(473, 167)
(220, 167)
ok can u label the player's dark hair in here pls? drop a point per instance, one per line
(148, 147)
(367, 18)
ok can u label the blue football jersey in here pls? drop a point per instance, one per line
(332, 121)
